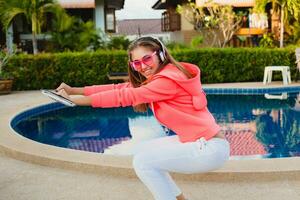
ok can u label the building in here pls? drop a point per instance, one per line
(102, 12)
(180, 29)
(183, 31)
(134, 28)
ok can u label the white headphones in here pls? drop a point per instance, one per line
(162, 52)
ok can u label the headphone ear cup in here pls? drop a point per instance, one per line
(162, 56)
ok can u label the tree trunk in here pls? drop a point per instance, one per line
(281, 26)
(34, 43)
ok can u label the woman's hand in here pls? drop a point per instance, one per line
(70, 90)
(63, 93)
(80, 101)
(67, 89)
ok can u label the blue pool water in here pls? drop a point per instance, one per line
(255, 125)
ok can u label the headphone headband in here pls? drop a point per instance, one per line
(162, 52)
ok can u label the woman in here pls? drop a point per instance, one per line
(173, 92)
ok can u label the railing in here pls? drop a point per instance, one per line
(250, 31)
(247, 37)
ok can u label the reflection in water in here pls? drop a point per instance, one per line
(255, 126)
(83, 129)
(139, 133)
(277, 96)
(296, 103)
(258, 126)
(243, 142)
(108, 131)
(279, 131)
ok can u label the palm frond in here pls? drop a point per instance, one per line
(8, 15)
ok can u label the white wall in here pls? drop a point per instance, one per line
(9, 38)
(99, 15)
(165, 37)
(185, 24)
(177, 36)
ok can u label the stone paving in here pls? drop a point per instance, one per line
(23, 178)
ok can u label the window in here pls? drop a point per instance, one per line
(110, 21)
(171, 21)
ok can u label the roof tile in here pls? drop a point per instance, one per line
(139, 26)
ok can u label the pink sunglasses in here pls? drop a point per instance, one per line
(137, 65)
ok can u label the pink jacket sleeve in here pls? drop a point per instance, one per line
(159, 89)
(89, 90)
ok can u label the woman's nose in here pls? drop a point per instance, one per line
(144, 66)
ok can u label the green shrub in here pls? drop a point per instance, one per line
(196, 41)
(79, 69)
(176, 46)
(118, 42)
(267, 41)
(76, 36)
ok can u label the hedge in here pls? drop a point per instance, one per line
(32, 72)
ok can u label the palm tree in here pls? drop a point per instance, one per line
(33, 10)
(289, 10)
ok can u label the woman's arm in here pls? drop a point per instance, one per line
(77, 90)
(70, 90)
(89, 90)
(157, 90)
(80, 100)
(160, 89)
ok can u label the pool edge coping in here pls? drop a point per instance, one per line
(21, 148)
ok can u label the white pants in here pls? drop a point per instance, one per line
(155, 158)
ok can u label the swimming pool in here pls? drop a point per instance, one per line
(256, 126)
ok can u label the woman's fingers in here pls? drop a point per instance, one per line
(65, 87)
(60, 87)
(63, 93)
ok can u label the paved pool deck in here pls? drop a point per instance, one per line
(30, 170)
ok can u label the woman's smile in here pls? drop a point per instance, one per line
(147, 72)
(145, 60)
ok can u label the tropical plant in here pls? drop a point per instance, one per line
(289, 11)
(74, 29)
(5, 56)
(267, 41)
(34, 11)
(260, 6)
(216, 23)
(118, 42)
(196, 41)
(175, 46)
(296, 33)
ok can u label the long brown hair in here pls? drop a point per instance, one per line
(137, 79)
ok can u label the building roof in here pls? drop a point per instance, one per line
(164, 4)
(116, 4)
(77, 4)
(139, 26)
(234, 3)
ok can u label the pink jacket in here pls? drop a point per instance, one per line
(177, 102)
